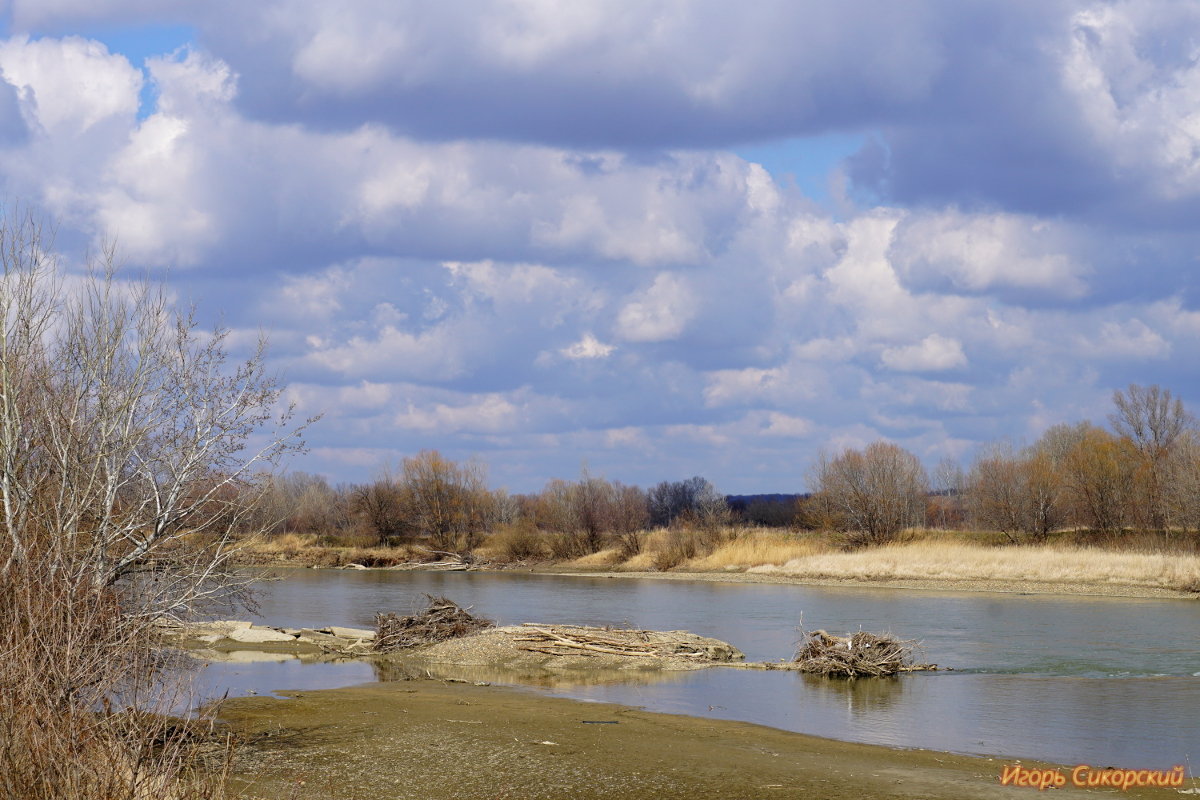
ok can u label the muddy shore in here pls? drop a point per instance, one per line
(439, 741)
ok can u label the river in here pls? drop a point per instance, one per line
(1102, 681)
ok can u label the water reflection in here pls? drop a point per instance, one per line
(543, 679)
(860, 696)
(262, 656)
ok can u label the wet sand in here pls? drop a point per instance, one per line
(436, 741)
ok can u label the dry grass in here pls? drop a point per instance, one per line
(944, 560)
(603, 558)
(727, 548)
(283, 543)
(310, 551)
(753, 548)
(519, 541)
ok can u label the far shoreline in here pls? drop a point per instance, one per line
(949, 585)
(915, 584)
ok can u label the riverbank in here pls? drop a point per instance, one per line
(924, 585)
(932, 560)
(439, 741)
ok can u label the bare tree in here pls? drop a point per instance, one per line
(696, 497)
(593, 498)
(381, 504)
(879, 491)
(1151, 417)
(129, 444)
(1183, 484)
(300, 502)
(996, 492)
(1098, 477)
(1018, 492)
(1153, 420)
(447, 502)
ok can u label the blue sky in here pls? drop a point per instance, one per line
(660, 239)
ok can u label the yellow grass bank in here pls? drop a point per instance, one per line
(926, 560)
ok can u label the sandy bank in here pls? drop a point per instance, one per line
(1056, 587)
(930, 585)
(532, 649)
(426, 739)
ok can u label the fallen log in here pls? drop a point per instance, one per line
(577, 640)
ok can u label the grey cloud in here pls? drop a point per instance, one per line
(596, 74)
(13, 130)
(1072, 107)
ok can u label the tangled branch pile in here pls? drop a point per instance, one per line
(574, 640)
(858, 655)
(442, 619)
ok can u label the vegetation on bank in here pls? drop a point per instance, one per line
(1081, 504)
(1132, 486)
(129, 451)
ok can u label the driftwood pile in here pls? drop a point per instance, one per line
(449, 562)
(442, 619)
(576, 640)
(857, 655)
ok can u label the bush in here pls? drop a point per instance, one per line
(517, 541)
(678, 546)
(630, 544)
(563, 545)
(80, 684)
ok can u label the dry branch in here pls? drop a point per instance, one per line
(857, 655)
(442, 619)
(561, 640)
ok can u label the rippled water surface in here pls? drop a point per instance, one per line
(1074, 680)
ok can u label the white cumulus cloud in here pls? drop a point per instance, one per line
(934, 353)
(660, 313)
(588, 347)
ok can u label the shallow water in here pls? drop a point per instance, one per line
(1104, 681)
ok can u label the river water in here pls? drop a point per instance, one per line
(1102, 681)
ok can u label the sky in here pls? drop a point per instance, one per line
(653, 237)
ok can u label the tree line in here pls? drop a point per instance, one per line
(448, 506)
(1141, 472)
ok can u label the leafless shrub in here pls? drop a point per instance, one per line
(131, 456)
(629, 544)
(678, 546)
(81, 691)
